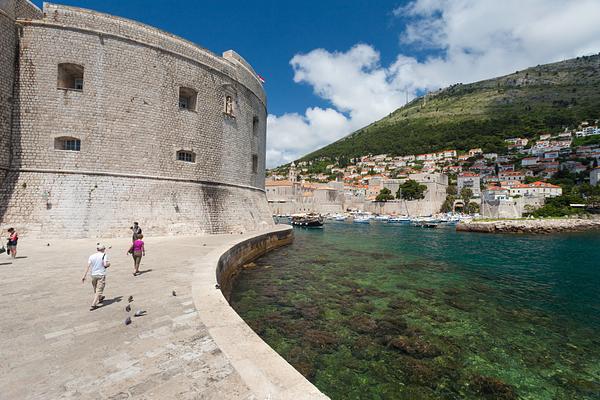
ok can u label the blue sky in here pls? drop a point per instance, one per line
(333, 66)
(267, 33)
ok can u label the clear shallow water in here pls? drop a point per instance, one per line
(396, 312)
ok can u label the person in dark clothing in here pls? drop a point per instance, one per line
(137, 231)
(11, 246)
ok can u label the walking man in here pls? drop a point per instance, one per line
(97, 263)
(137, 231)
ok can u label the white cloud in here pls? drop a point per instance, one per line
(475, 39)
(357, 87)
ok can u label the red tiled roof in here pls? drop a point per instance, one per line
(538, 184)
(278, 183)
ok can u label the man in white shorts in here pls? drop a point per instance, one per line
(97, 263)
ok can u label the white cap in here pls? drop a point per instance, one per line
(100, 246)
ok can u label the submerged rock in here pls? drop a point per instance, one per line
(362, 324)
(414, 346)
(425, 293)
(319, 338)
(391, 325)
(493, 388)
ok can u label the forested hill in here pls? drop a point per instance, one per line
(545, 98)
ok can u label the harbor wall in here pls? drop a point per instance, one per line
(537, 226)
(262, 369)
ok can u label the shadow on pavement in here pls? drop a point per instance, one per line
(107, 302)
(144, 271)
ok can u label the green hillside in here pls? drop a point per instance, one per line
(545, 98)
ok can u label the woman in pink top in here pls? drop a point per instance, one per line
(137, 250)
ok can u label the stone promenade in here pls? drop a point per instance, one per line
(53, 347)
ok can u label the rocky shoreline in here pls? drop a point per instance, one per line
(539, 226)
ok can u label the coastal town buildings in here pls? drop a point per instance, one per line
(513, 181)
(470, 181)
(541, 189)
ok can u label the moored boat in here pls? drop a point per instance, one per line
(401, 219)
(361, 219)
(426, 223)
(307, 220)
(382, 217)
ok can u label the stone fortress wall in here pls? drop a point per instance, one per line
(130, 127)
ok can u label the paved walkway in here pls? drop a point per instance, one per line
(53, 347)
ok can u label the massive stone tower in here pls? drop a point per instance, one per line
(104, 121)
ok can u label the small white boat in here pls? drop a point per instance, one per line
(382, 217)
(362, 219)
(426, 224)
(339, 217)
(402, 219)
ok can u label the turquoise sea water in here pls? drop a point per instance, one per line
(384, 311)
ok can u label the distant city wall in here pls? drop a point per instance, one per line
(513, 208)
(131, 131)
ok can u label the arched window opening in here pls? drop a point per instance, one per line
(70, 76)
(187, 99)
(186, 156)
(67, 143)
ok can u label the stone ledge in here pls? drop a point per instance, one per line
(135, 176)
(262, 369)
(537, 226)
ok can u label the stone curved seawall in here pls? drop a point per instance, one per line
(530, 226)
(265, 372)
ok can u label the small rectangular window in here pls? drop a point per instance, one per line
(254, 163)
(186, 156)
(72, 144)
(67, 143)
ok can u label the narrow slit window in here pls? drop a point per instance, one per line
(70, 76)
(255, 126)
(186, 156)
(67, 143)
(187, 99)
(254, 163)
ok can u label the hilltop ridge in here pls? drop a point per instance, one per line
(544, 98)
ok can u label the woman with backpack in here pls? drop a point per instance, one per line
(137, 250)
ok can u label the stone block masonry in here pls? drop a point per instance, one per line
(113, 143)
